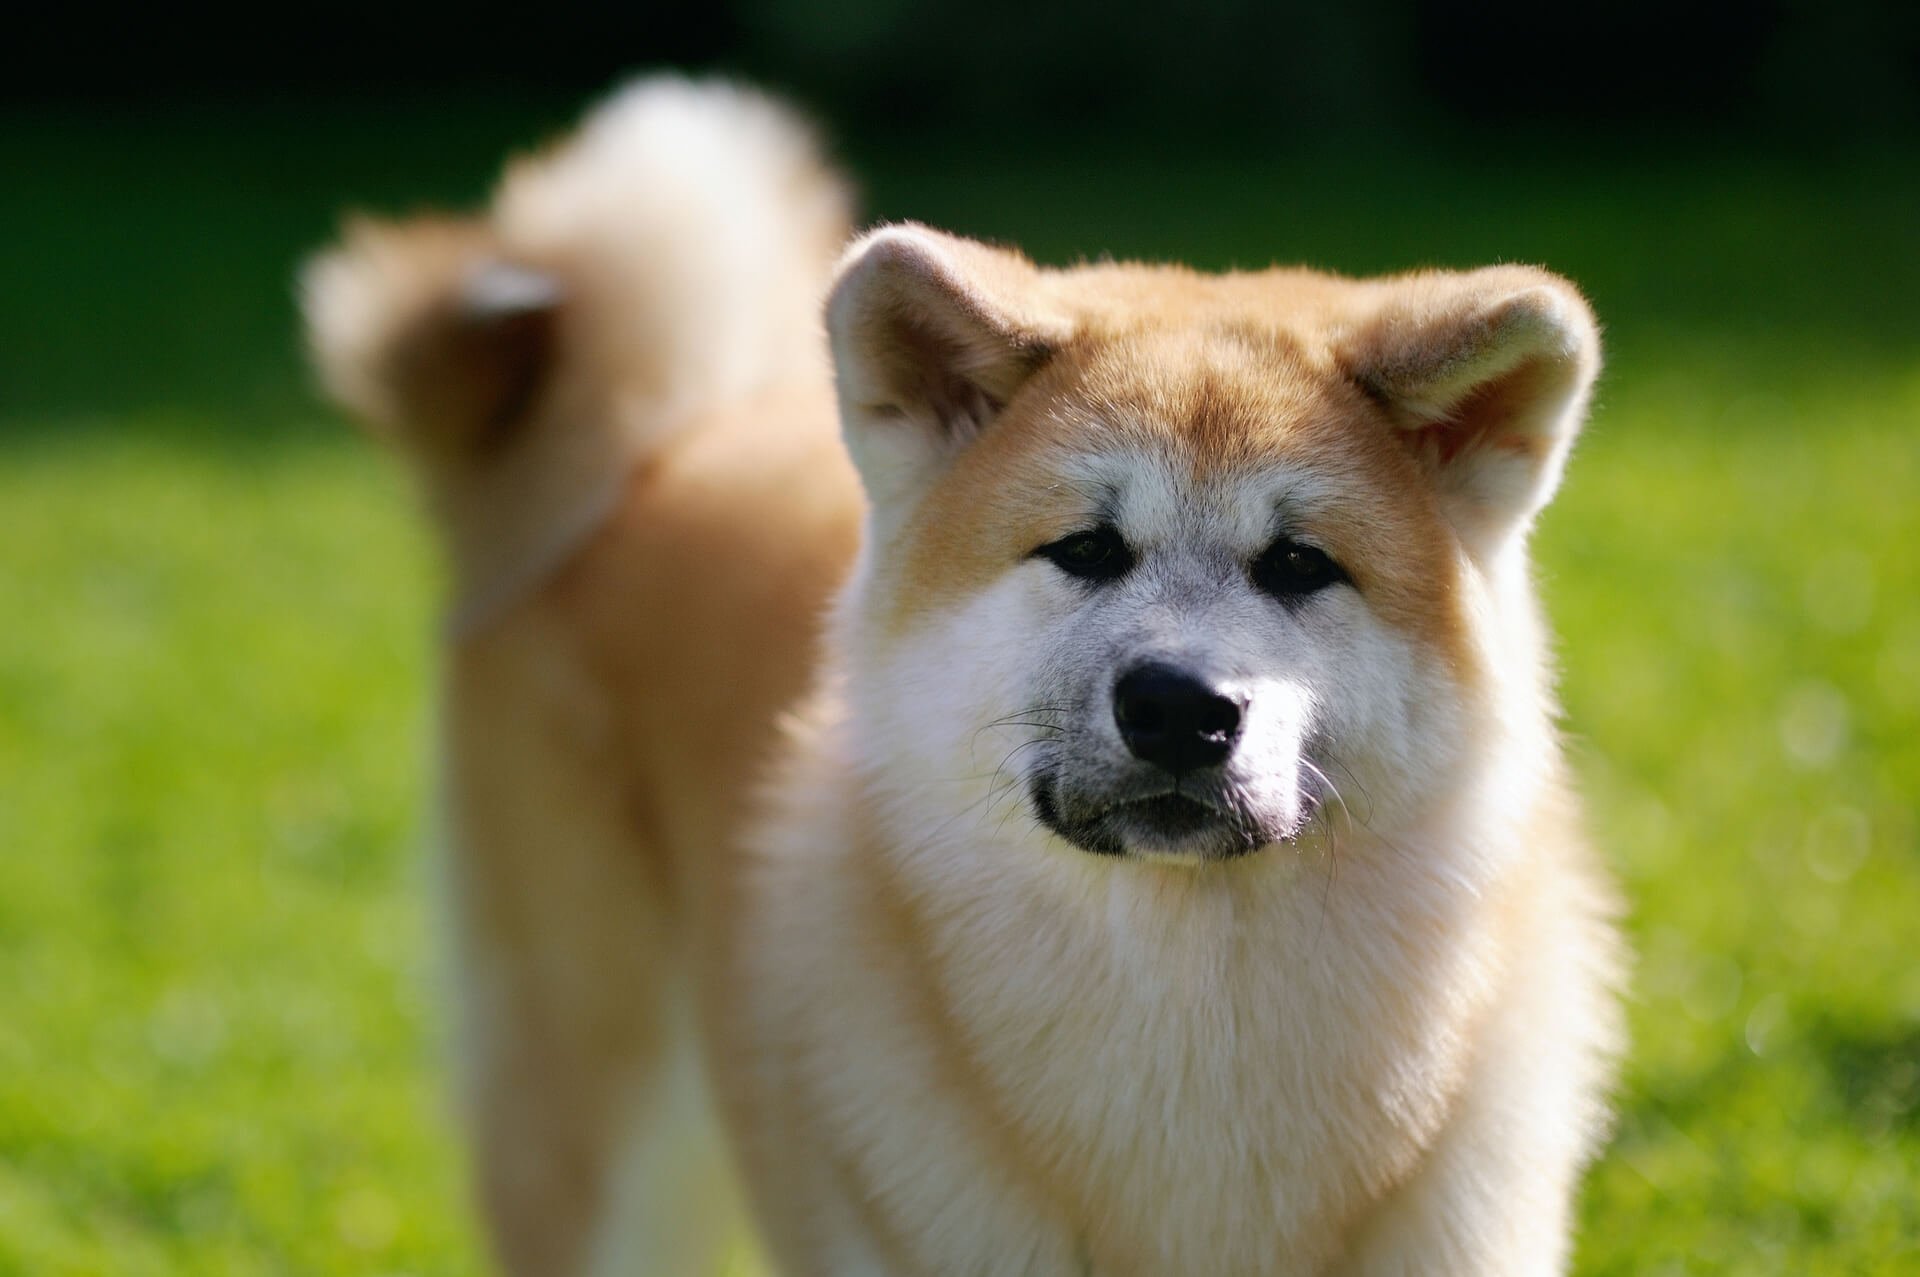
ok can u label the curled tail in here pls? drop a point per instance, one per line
(666, 258)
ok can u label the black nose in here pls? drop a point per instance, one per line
(1171, 719)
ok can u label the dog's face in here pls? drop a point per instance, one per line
(1161, 565)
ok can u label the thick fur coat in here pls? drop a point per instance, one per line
(1056, 774)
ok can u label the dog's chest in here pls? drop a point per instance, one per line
(1166, 1077)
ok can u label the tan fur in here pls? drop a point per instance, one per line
(591, 767)
(676, 789)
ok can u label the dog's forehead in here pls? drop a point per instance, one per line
(1220, 424)
(1154, 493)
(1223, 395)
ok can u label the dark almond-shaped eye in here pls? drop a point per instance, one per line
(1098, 554)
(1289, 570)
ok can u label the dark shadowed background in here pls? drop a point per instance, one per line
(217, 1025)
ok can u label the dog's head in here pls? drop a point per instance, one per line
(1161, 563)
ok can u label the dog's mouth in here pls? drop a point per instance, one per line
(1169, 823)
(1170, 817)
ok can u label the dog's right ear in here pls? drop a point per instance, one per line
(932, 335)
(426, 332)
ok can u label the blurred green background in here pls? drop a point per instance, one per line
(217, 1010)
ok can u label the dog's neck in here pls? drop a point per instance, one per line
(1195, 1032)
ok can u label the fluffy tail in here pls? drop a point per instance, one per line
(667, 258)
(674, 248)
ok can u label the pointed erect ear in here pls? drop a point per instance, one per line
(1486, 374)
(931, 336)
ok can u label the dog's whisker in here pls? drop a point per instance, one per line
(1366, 818)
(1028, 718)
(1333, 789)
(997, 789)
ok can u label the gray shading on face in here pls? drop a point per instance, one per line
(1178, 707)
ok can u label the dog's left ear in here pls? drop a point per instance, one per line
(932, 335)
(1486, 375)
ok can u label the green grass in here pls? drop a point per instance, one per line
(217, 1028)
(212, 735)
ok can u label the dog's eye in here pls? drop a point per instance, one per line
(1100, 554)
(1290, 570)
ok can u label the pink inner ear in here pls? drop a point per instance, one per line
(960, 406)
(1504, 414)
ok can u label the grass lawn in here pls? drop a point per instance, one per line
(217, 1024)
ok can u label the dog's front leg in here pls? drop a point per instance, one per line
(1493, 1195)
(1472, 1208)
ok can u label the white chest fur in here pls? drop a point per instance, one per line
(1008, 1058)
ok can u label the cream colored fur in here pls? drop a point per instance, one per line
(682, 234)
(752, 733)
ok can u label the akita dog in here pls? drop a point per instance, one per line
(1089, 803)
